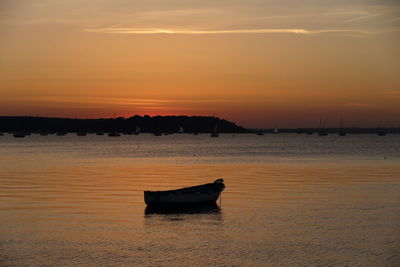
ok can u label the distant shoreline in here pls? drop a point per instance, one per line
(146, 124)
(161, 124)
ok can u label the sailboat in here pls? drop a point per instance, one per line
(322, 131)
(341, 132)
(137, 130)
(215, 132)
(180, 130)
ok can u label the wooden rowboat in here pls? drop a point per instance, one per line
(205, 194)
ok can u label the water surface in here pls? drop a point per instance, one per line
(289, 200)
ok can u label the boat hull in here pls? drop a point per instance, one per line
(191, 196)
(181, 199)
(197, 209)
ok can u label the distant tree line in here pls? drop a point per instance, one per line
(164, 124)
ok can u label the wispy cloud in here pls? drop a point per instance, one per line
(189, 31)
(128, 101)
(361, 18)
(223, 31)
(360, 105)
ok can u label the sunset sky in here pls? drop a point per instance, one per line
(265, 63)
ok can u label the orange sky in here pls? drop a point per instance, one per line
(257, 63)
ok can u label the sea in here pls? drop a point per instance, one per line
(290, 200)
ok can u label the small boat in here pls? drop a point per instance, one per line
(81, 134)
(381, 133)
(137, 130)
(341, 131)
(215, 132)
(114, 134)
(61, 133)
(322, 131)
(205, 194)
(99, 133)
(19, 135)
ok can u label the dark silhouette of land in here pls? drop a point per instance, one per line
(157, 124)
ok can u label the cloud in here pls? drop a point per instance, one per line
(189, 31)
(127, 101)
(113, 30)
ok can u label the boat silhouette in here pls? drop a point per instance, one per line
(114, 134)
(137, 130)
(215, 132)
(205, 194)
(19, 135)
(341, 131)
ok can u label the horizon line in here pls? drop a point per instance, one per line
(206, 116)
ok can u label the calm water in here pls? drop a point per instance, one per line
(290, 200)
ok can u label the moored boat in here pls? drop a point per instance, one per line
(381, 133)
(189, 196)
(19, 135)
(114, 134)
(323, 133)
(137, 130)
(215, 132)
(341, 131)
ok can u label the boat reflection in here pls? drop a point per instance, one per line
(173, 218)
(204, 209)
